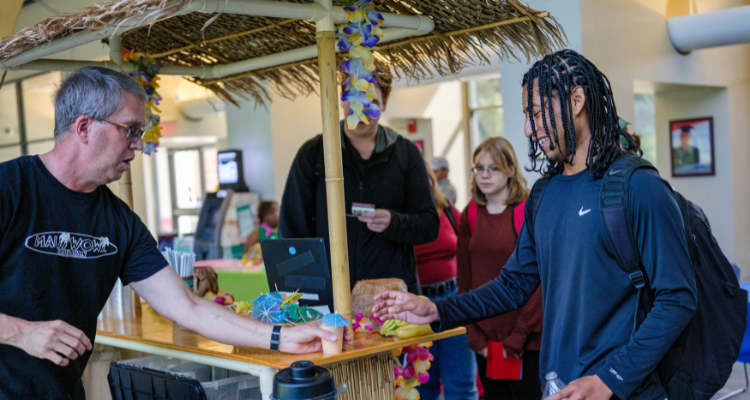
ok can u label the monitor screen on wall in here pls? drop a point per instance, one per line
(230, 170)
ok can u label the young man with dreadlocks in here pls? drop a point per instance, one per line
(589, 301)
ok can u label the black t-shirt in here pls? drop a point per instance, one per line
(61, 253)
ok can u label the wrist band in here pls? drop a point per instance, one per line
(275, 335)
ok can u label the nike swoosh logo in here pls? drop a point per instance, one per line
(615, 172)
(583, 212)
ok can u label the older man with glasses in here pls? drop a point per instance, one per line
(65, 238)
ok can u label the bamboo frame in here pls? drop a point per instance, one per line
(366, 378)
(327, 65)
(126, 194)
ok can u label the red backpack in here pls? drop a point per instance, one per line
(518, 216)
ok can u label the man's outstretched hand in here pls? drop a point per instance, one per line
(405, 307)
(306, 338)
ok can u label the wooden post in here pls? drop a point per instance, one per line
(126, 194)
(326, 41)
(126, 183)
(126, 189)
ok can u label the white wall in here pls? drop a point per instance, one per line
(442, 104)
(249, 129)
(712, 193)
(292, 123)
(174, 89)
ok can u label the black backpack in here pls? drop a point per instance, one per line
(700, 362)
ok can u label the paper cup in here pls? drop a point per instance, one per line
(333, 347)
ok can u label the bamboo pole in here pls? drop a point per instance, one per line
(126, 182)
(326, 39)
(126, 195)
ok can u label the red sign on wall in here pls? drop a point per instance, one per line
(411, 126)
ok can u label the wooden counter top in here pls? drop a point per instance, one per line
(156, 330)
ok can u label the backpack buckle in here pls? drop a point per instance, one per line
(637, 279)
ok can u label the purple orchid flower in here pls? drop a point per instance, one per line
(149, 148)
(344, 44)
(372, 111)
(355, 96)
(375, 17)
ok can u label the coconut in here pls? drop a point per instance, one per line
(364, 292)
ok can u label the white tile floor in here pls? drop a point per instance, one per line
(736, 381)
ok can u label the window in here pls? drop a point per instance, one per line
(33, 132)
(183, 178)
(486, 107)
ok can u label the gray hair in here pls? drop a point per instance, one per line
(92, 91)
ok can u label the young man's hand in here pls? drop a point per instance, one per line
(377, 221)
(304, 339)
(405, 307)
(586, 388)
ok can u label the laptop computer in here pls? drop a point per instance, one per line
(299, 265)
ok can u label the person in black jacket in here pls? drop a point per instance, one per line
(380, 168)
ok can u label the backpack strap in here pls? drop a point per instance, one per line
(449, 214)
(518, 217)
(614, 209)
(472, 215)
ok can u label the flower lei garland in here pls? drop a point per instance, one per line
(410, 374)
(146, 73)
(413, 372)
(358, 37)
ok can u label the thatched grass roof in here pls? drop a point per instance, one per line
(466, 32)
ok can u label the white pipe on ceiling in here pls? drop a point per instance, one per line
(714, 29)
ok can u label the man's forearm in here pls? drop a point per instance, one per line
(497, 297)
(222, 325)
(11, 329)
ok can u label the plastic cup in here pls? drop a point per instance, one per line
(333, 347)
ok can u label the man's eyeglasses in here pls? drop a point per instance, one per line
(480, 170)
(133, 132)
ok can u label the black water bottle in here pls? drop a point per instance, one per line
(304, 380)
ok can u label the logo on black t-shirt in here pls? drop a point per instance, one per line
(71, 245)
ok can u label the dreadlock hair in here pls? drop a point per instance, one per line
(558, 74)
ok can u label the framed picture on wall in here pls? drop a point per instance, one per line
(692, 143)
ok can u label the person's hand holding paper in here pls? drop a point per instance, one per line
(377, 221)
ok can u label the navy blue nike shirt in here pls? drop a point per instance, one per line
(589, 302)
